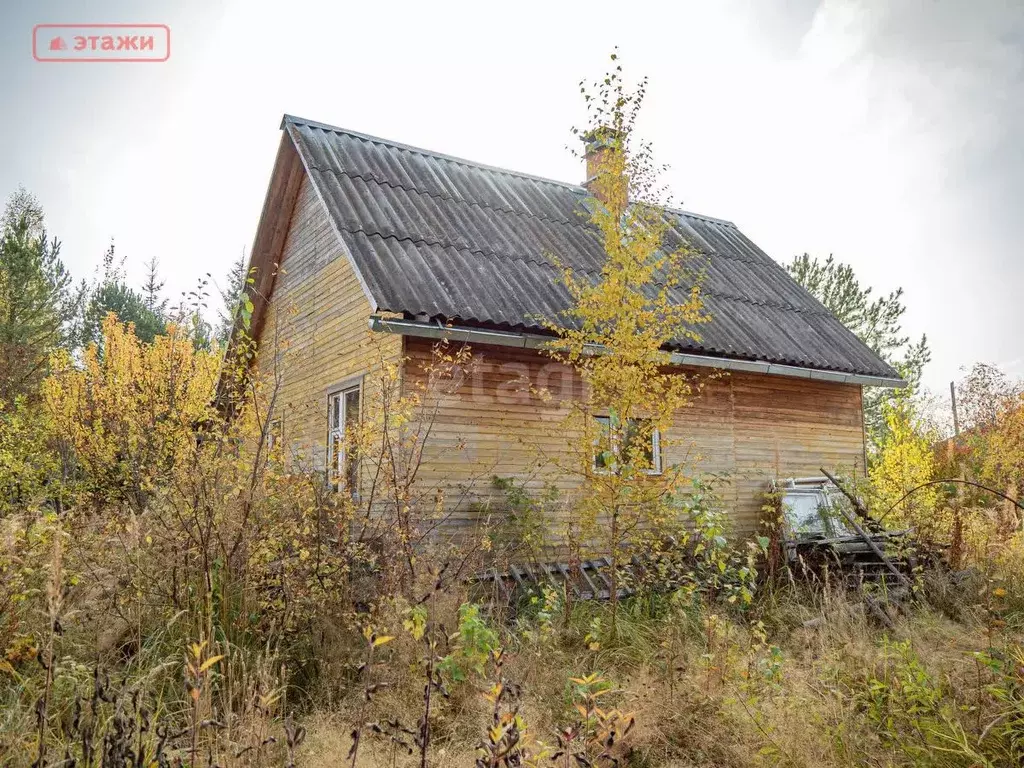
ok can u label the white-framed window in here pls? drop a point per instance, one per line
(613, 445)
(342, 461)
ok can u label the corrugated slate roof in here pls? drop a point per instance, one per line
(472, 244)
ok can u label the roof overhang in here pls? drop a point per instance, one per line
(436, 330)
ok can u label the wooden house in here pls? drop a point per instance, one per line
(368, 247)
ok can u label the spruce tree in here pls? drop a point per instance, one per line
(112, 294)
(152, 287)
(230, 296)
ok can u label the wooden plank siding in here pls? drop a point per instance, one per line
(752, 426)
(315, 335)
(317, 331)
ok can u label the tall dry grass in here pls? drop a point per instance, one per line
(189, 602)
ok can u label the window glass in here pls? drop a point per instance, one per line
(812, 511)
(637, 440)
(604, 459)
(352, 406)
(342, 461)
(351, 420)
(335, 417)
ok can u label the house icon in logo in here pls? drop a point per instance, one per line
(58, 44)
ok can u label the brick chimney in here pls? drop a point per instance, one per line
(598, 146)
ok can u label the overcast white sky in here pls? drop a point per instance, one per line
(888, 133)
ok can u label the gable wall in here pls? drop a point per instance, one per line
(316, 333)
(752, 426)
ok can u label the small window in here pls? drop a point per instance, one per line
(611, 447)
(342, 461)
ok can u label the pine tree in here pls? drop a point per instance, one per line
(38, 303)
(877, 321)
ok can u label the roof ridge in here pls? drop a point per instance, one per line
(293, 120)
(579, 188)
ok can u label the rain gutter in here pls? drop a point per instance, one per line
(538, 341)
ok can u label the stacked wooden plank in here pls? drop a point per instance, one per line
(587, 580)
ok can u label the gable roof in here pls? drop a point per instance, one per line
(470, 244)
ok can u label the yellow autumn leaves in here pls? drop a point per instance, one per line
(129, 412)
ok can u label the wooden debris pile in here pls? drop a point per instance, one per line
(587, 580)
(826, 526)
(667, 566)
